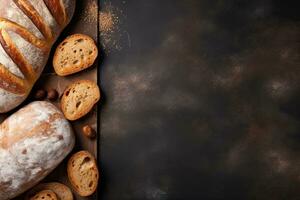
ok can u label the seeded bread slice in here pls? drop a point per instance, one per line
(83, 173)
(44, 195)
(76, 53)
(62, 192)
(79, 98)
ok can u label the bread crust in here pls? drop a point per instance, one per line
(57, 10)
(33, 141)
(28, 29)
(72, 173)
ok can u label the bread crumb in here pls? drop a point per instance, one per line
(109, 22)
(90, 14)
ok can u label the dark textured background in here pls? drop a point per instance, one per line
(202, 101)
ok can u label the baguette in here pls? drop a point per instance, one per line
(28, 28)
(33, 141)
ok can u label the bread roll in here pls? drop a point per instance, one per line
(28, 28)
(33, 141)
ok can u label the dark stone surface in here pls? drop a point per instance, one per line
(202, 101)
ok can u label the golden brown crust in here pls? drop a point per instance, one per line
(9, 81)
(25, 34)
(57, 10)
(34, 16)
(16, 56)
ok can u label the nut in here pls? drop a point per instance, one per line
(52, 94)
(40, 94)
(88, 131)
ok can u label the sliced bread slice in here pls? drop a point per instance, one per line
(77, 52)
(79, 98)
(62, 191)
(44, 195)
(83, 173)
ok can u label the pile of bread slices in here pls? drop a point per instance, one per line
(37, 137)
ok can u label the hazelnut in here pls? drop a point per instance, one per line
(88, 131)
(40, 94)
(52, 94)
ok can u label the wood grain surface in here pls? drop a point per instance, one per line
(85, 21)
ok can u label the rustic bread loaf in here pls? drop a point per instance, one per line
(44, 195)
(76, 53)
(62, 192)
(33, 141)
(79, 98)
(83, 173)
(28, 28)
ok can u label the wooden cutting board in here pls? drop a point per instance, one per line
(85, 21)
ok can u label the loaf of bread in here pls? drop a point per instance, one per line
(33, 141)
(28, 28)
(76, 53)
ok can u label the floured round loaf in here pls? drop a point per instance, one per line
(28, 29)
(33, 141)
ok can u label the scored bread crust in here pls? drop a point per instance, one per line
(72, 173)
(70, 98)
(28, 28)
(61, 190)
(77, 47)
(33, 141)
